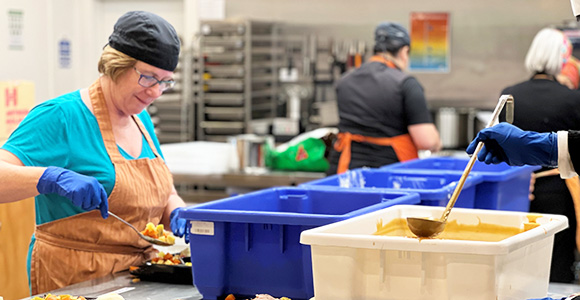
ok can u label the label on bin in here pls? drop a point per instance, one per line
(202, 228)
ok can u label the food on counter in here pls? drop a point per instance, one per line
(168, 259)
(59, 297)
(112, 296)
(158, 232)
(483, 232)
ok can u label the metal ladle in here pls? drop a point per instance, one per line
(147, 238)
(425, 228)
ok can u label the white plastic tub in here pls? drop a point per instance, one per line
(349, 262)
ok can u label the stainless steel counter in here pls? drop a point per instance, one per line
(250, 180)
(237, 182)
(122, 284)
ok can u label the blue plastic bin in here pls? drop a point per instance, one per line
(434, 188)
(250, 244)
(503, 188)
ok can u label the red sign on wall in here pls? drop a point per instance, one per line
(16, 100)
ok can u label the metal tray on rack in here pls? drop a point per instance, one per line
(267, 51)
(224, 98)
(218, 28)
(226, 85)
(262, 93)
(169, 117)
(225, 113)
(228, 57)
(168, 97)
(213, 127)
(169, 137)
(217, 138)
(225, 71)
(264, 77)
(235, 42)
(170, 126)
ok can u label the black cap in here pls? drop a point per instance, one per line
(146, 37)
(390, 37)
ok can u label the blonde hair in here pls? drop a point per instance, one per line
(113, 63)
(547, 52)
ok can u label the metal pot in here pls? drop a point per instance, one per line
(251, 152)
(456, 126)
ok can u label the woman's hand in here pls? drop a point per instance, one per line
(178, 225)
(83, 191)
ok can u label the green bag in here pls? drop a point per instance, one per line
(307, 155)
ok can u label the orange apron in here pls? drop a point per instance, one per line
(86, 246)
(402, 144)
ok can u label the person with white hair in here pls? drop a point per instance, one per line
(542, 104)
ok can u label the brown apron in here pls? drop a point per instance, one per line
(86, 246)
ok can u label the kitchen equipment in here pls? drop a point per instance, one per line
(251, 151)
(456, 126)
(176, 274)
(350, 262)
(423, 227)
(147, 238)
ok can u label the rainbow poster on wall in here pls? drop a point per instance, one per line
(429, 42)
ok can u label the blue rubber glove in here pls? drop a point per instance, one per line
(507, 143)
(83, 191)
(178, 225)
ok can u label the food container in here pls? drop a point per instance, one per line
(251, 151)
(249, 244)
(503, 187)
(349, 262)
(175, 274)
(434, 188)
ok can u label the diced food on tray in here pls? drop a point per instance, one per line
(59, 297)
(168, 259)
(158, 232)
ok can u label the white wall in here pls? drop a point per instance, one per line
(85, 23)
(29, 63)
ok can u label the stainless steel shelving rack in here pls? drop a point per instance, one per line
(239, 78)
(173, 113)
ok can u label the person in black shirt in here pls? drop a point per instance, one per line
(383, 113)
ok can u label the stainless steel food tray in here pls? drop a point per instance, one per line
(226, 57)
(225, 71)
(233, 42)
(214, 127)
(219, 28)
(225, 113)
(226, 85)
(224, 98)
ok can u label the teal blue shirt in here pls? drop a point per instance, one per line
(63, 132)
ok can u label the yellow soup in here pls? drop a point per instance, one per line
(483, 232)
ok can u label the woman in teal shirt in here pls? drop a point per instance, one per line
(92, 151)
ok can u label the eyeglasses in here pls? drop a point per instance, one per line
(149, 81)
